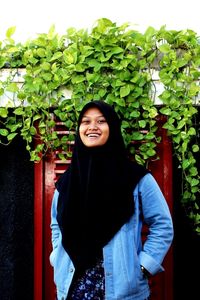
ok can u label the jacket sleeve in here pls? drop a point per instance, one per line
(55, 230)
(157, 216)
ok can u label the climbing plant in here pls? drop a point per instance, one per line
(60, 73)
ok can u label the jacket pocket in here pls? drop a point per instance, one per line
(53, 256)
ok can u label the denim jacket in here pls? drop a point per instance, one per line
(125, 253)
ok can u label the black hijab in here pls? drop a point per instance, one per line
(96, 192)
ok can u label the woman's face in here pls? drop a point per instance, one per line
(93, 129)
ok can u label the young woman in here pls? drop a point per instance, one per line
(98, 209)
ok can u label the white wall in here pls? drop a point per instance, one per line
(36, 16)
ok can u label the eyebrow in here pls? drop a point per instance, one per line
(87, 116)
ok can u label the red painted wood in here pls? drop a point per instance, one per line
(49, 288)
(162, 284)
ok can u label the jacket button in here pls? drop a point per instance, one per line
(71, 270)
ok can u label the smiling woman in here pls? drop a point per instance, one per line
(96, 216)
(93, 129)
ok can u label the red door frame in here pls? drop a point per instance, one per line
(163, 289)
(44, 289)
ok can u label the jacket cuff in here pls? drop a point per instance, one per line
(150, 264)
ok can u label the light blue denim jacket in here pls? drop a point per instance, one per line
(124, 254)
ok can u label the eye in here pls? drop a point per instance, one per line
(85, 121)
(101, 121)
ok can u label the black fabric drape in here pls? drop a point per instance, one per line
(96, 192)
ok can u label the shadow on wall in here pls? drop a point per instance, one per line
(16, 222)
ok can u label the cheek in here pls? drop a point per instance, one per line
(106, 134)
(81, 133)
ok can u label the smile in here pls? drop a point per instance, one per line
(93, 135)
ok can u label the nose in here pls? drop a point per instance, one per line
(93, 126)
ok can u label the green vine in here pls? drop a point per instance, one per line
(52, 77)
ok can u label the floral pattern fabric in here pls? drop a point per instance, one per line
(90, 285)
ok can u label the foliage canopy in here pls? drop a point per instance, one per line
(117, 64)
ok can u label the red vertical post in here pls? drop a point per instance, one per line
(49, 287)
(38, 230)
(162, 284)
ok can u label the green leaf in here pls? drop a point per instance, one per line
(153, 112)
(194, 182)
(165, 48)
(3, 112)
(185, 164)
(12, 87)
(41, 52)
(78, 79)
(19, 111)
(135, 114)
(2, 62)
(195, 148)
(181, 124)
(10, 31)
(4, 132)
(142, 123)
(151, 152)
(124, 91)
(193, 171)
(149, 136)
(137, 136)
(11, 136)
(56, 56)
(192, 131)
(116, 50)
(166, 111)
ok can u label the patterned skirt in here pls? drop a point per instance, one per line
(90, 285)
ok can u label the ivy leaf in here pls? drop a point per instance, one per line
(142, 123)
(149, 136)
(12, 87)
(166, 111)
(56, 56)
(11, 136)
(151, 152)
(185, 164)
(193, 171)
(19, 111)
(124, 91)
(181, 124)
(4, 132)
(78, 79)
(120, 102)
(2, 61)
(135, 114)
(41, 52)
(116, 50)
(10, 31)
(165, 48)
(195, 148)
(192, 131)
(194, 182)
(3, 112)
(137, 136)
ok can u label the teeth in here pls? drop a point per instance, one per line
(93, 135)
